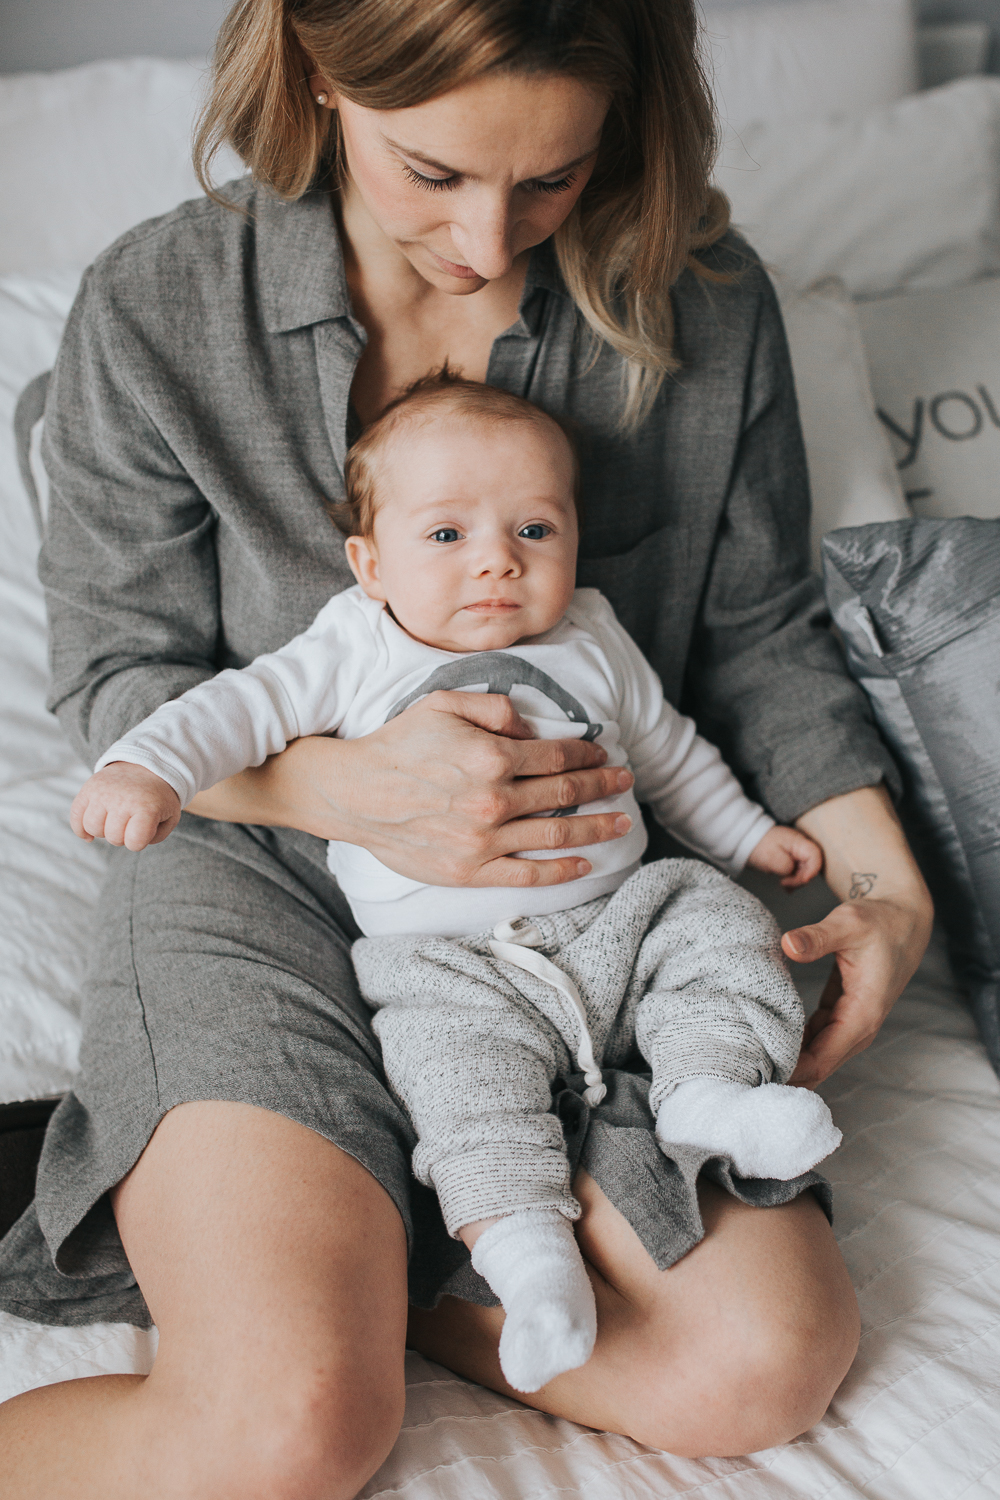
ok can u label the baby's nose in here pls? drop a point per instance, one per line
(499, 558)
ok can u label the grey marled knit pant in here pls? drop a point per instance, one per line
(679, 962)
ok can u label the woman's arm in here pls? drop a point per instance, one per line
(878, 933)
(769, 686)
(442, 793)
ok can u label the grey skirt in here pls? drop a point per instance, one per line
(222, 971)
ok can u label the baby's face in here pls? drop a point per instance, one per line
(475, 531)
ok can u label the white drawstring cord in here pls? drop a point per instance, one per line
(513, 942)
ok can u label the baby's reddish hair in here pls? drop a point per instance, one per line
(440, 390)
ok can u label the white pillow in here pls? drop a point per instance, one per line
(935, 363)
(87, 152)
(48, 879)
(903, 196)
(852, 474)
(806, 57)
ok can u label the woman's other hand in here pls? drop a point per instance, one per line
(444, 793)
(878, 934)
(125, 804)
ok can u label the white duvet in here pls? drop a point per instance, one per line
(917, 1182)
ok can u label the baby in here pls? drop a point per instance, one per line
(462, 523)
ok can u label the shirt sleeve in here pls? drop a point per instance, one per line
(765, 677)
(685, 781)
(128, 561)
(238, 718)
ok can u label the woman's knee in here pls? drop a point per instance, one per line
(320, 1455)
(315, 1440)
(756, 1385)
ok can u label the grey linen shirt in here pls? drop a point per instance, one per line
(196, 429)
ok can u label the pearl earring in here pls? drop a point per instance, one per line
(321, 98)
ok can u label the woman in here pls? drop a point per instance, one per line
(521, 189)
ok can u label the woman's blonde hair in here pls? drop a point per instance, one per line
(648, 204)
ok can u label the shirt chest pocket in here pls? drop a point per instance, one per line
(654, 596)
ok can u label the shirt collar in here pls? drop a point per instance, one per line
(543, 272)
(300, 260)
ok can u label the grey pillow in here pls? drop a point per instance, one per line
(917, 604)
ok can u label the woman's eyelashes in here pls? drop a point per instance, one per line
(536, 185)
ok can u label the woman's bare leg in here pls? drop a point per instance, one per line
(274, 1266)
(737, 1347)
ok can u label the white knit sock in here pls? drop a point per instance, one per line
(769, 1131)
(532, 1262)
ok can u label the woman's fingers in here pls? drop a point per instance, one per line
(530, 873)
(490, 711)
(528, 834)
(541, 793)
(543, 834)
(874, 949)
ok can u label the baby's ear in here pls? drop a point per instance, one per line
(363, 560)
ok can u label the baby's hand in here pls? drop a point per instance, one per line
(125, 804)
(786, 852)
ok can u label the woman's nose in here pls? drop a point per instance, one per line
(484, 236)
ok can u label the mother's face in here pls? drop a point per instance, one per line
(465, 183)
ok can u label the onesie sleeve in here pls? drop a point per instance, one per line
(240, 717)
(685, 781)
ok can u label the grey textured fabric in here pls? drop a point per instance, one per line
(918, 608)
(196, 427)
(679, 961)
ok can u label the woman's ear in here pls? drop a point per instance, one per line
(318, 85)
(363, 560)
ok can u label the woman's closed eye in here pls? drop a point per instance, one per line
(536, 185)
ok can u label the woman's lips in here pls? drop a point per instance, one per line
(465, 273)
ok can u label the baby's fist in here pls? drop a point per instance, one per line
(125, 804)
(788, 853)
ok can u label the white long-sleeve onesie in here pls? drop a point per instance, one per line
(355, 668)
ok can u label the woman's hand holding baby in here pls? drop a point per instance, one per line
(125, 804)
(444, 793)
(788, 853)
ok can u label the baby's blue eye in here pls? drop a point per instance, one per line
(536, 532)
(446, 534)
